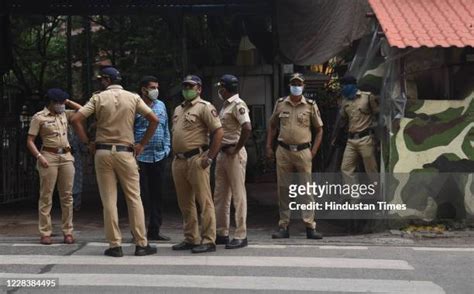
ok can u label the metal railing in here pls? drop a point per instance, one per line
(19, 179)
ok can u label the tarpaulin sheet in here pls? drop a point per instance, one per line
(313, 31)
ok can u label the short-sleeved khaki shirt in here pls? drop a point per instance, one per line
(359, 112)
(234, 113)
(52, 129)
(115, 110)
(296, 120)
(192, 123)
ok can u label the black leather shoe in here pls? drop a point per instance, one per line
(282, 233)
(154, 236)
(147, 250)
(222, 240)
(183, 246)
(203, 248)
(114, 252)
(313, 234)
(236, 243)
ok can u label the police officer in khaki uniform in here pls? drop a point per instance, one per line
(55, 161)
(114, 149)
(231, 164)
(193, 121)
(357, 112)
(295, 117)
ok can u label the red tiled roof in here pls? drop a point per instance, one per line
(430, 23)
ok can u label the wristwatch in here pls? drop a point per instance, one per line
(210, 161)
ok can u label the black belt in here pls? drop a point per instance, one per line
(225, 147)
(191, 153)
(359, 135)
(296, 147)
(118, 148)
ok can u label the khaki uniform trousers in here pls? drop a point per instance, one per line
(230, 185)
(62, 172)
(193, 185)
(363, 147)
(111, 166)
(288, 163)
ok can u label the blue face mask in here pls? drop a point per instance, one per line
(349, 91)
(296, 90)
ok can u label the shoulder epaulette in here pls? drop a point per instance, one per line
(311, 101)
(237, 102)
(204, 102)
(281, 99)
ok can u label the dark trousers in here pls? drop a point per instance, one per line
(151, 178)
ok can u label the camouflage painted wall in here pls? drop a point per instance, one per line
(431, 161)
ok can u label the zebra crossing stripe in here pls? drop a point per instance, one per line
(443, 249)
(238, 282)
(191, 260)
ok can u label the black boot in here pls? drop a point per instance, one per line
(147, 250)
(114, 252)
(154, 235)
(183, 246)
(313, 234)
(203, 248)
(222, 240)
(237, 243)
(282, 233)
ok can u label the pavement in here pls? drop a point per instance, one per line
(385, 261)
(18, 221)
(258, 268)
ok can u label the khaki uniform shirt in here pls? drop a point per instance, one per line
(192, 122)
(233, 115)
(296, 120)
(359, 112)
(52, 128)
(115, 110)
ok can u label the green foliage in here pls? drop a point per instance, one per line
(39, 52)
(327, 98)
(137, 44)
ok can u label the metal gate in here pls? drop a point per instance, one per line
(19, 179)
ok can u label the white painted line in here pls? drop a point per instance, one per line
(100, 244)
(344, 247)
(267, 246)
(38, 245)
(251, 246)
(161, 245)
(239, 282)
(459, 249)
(250, 261)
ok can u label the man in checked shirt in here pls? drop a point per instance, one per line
(151, 161)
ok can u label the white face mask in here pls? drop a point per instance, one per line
(296, 90)
(153, 94)
(59, 108)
